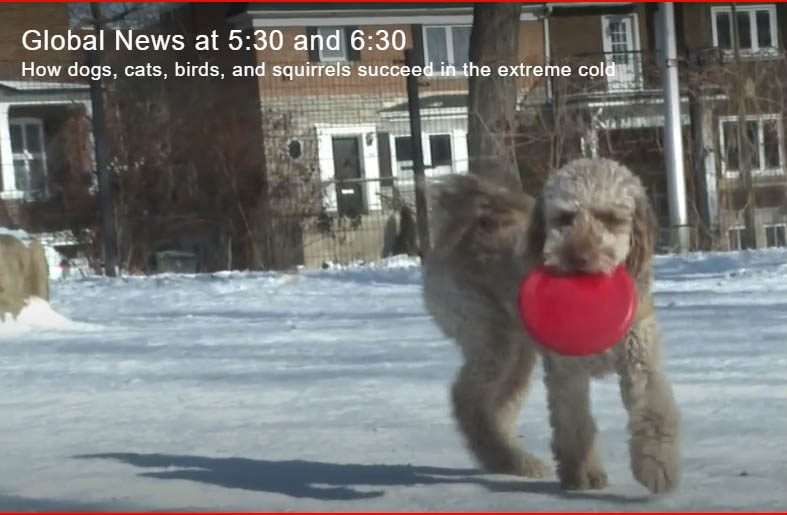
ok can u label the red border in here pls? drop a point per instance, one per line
(407, 2)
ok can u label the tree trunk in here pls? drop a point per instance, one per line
(494, 41)
(745, 149)
(697, 114)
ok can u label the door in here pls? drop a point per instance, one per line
(621, 48)
(347, 172)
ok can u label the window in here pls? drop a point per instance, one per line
(403, 147)
(440, 149)
(765, 140)
(440, 152)
(329, 37)
(776, 235)
(619, 36)
(756, 27)
(27, 148)
(447, 44)
(735, 235)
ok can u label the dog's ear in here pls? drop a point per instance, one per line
(536, 231)
(478, 214)
(451, 214)
(643, 237)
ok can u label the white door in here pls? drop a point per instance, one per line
(621, 48)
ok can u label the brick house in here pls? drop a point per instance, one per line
(45, 142)
(357, 128)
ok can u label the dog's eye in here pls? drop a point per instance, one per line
(487, 223)
(610, 219)
(565, 218)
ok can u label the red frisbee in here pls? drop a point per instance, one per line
(580, 314)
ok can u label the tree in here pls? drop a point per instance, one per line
(95, 18)
(749, 240)
(494, 42)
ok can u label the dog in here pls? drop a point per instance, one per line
(591, 216)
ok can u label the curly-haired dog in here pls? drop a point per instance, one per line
(591, 216)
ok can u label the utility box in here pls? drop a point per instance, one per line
(176, 262)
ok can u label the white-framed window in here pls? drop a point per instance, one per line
(335, 54)
(766, 136)
(447, 44)
(776, 235)
(443, 153)
(438, 154)
(735, 237)
(29, 154)
(756, 28)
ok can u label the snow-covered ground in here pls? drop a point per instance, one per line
(327, 390)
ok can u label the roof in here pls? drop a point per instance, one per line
(295, 7)
(29, 85)
(443, 101)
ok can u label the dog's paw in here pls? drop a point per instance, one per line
(530, 466)
(517, 463)
(656, 464)
(587, 477)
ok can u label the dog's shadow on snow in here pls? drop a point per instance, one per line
(326, 481)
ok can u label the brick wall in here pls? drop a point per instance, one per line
(15, 19)
(531, 51)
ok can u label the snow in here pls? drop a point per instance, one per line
(19, 234)
(38, 315)
(327, 390)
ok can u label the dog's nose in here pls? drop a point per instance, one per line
(581, 261)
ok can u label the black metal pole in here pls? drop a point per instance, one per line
(411, 58)
(106, 203)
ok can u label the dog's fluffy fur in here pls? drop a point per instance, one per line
(591, 216)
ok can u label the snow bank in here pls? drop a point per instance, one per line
(763, 271)
(38, 315)
(399, 261)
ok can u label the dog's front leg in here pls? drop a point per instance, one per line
(486, 397)
(573, 428)
(654, 419)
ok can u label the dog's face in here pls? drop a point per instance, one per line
(593, 215)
